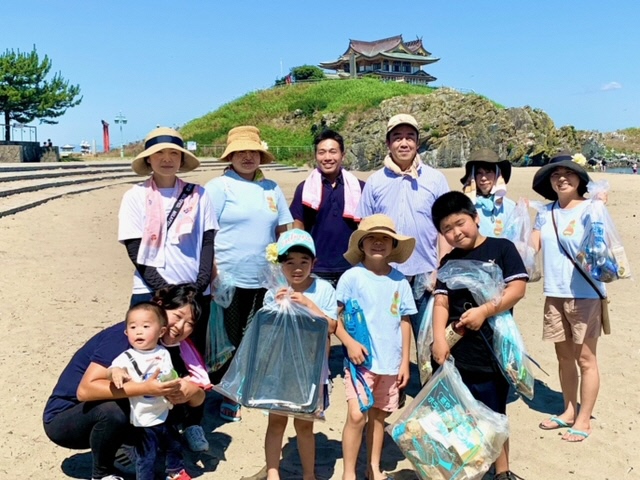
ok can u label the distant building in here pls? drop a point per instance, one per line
(390, 58)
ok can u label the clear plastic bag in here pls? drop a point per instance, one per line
(518, 229)
(447, 434)
(484, 281)
(425, 341)
(601, 253)
(223, 289)
(218, 348)
(279, 364)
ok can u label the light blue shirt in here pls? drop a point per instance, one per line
(319, 292)
(248, 214)
(384, 300)
(493, 218)
(561, 278)
(408, 202)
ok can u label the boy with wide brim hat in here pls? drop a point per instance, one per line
(542, 178)
(379, 223)
(246, 138)
(159, 139)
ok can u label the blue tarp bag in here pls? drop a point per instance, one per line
(356, 326)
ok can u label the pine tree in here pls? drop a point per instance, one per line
(26, 94)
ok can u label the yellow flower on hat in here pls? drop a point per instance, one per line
(272, 253)
(579, 159)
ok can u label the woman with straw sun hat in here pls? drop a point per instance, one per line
(167, 225)
(252, 212)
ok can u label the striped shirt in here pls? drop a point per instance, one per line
(408, 202)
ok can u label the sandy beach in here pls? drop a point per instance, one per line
(65, 277)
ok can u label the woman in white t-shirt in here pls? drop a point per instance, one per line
(167, 225)
(252, 212)
(572, 309)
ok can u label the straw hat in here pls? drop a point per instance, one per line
(157, 140)
(246, 138)
(379, 223)
(486, 155)
(542, 178)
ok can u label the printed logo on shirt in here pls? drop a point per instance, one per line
(271, 203)
(395, 304)
(570, 230)
(497, 230)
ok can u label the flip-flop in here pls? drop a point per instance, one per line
(578, 433)
(235, 408)
(559, 423)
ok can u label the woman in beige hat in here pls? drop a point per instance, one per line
(252, 212)
(167, 225)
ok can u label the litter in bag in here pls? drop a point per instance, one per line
(484, 281)
(447, 434)
(601, 253)
(218, 348)
(279, 363)
(518, 230)
(223, 289)
(425, 341)
(356, 326)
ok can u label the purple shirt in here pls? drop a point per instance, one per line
(328, 228)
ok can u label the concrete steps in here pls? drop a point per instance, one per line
(24, 186)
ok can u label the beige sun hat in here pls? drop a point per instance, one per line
(379, 223)
(402, 119)
(245, 138)
(158, 139)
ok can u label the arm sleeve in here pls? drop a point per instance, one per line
(150, 275)
(206, 261)
(365, 207)
(284, 215)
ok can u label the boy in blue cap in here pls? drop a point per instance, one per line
(297, 255)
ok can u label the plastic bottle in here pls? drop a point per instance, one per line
(453, 333)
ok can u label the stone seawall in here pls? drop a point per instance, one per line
(22, 152)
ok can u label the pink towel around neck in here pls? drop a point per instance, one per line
(154, 235)
(312, 193)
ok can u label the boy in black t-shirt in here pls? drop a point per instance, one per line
(456, 218)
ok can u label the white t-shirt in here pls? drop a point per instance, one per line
(146, 411)
(384, 299)
(182, 260)
(248, 214)
(561, 278)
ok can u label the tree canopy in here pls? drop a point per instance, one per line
(26, 93)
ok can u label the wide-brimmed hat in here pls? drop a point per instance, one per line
(486, 155)
(246, 138)
(379, 223)
(542, 178)
(158, 139)
(402, 119)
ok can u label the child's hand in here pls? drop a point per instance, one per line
(474, 317)
(357, 352)
(282, 293)
(298, 297)
(119, 376)
(440, 351)
(403, 376)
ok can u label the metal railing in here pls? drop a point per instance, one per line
(18, 133)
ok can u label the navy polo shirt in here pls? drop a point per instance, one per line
(328, 228)
(102, 349)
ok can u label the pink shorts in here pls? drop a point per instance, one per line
(386, 396)
(572, 319)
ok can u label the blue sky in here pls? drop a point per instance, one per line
(161, 62)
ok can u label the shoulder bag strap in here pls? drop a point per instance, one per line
(580, 271)
(134, 363)
(186, 191)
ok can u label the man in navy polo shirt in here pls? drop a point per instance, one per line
(325, 205)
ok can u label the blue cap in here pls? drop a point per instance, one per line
(295, 237)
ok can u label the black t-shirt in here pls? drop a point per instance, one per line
(472, 353)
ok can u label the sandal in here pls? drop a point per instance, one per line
(234, 408)
(559, 423)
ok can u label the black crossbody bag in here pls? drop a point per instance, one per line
(186, 191)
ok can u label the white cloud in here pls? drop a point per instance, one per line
(611, 86)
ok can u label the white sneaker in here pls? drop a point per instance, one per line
(109, 477)
(125, 460)
(194, 435)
